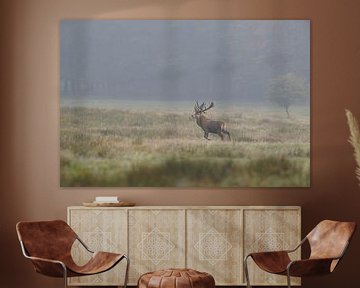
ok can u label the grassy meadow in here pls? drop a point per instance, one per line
(155, 146)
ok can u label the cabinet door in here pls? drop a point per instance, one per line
(156, 240)
(100, 230)
(214, 244)
(269, 230)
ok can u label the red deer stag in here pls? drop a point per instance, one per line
(209, 126)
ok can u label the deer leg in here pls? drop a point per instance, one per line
(227, 133)
(206, 135)
(221, 136)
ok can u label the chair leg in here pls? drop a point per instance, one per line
(65, 276)
(127, 271)
(246, 270)
(288, 278)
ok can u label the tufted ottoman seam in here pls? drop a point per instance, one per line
(191, 282)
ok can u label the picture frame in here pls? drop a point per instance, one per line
(185, 103)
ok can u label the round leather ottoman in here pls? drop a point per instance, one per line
(176, 278)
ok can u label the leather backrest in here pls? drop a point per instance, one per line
(47, 239)
(329, 238)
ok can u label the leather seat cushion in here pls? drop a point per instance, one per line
(176, 278)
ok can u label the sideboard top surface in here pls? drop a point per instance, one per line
(192, 207)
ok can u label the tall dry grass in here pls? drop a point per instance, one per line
(157, 148)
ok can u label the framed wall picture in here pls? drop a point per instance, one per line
(185, 103)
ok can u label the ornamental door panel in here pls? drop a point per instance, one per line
(214, 244)
(156, 240)
(271, 230)
(101, 230)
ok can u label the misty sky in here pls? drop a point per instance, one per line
(165, 60)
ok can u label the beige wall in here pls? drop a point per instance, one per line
(29, 111)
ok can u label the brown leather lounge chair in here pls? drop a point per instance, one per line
(48, 245)
(328, 242)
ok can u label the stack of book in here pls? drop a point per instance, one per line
(106, 199)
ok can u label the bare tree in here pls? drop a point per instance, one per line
(287, 90)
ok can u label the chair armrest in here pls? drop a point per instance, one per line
(45, 260)
(280, 251)
(84, 245)
(48, 267)
(298, 246)
(309, 267)
(271, 261)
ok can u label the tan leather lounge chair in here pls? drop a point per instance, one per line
(328, 242)
(48, 245)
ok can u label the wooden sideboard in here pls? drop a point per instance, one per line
(212, 239)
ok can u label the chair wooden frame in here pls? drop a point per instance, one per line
(314, 265)
(58, 268)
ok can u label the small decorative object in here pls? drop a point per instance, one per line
(354, 139)
(108, 201)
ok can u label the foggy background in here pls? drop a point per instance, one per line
(184, 60)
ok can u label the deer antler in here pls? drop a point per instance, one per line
(196, 107)
(202, 108)
(206, 108)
